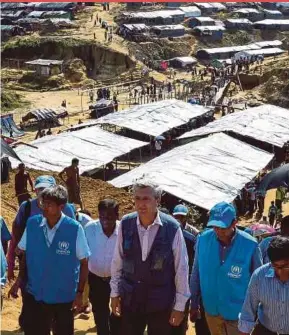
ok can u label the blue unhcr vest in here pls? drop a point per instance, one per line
(148, 286)
(53, 272)
(223, 286)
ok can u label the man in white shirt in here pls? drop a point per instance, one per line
(101, 236)
(149, 273)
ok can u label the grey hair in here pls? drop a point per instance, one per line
(144, 183)
(57, 194)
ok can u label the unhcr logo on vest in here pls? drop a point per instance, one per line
(63, 248)
(236, 271)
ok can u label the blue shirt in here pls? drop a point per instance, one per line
(256, 262)
(68, 210)
(264, 245)
(268, 298)
(5, 234)
(3, 267)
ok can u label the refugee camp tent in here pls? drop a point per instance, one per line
(200, 21)
(44, 6)
(229, 52)
(36, 14)
(13, 6)
(203, 172)
(101, 107)
(266, 123)
(58, 14)
(240, 24)
(282, 25)
(155, 118)
(261, 52)
(8, 125)
(48, 115)
(215, 33)
(191, 11)
(210, 7)
(10, 30)
(93, 147)
(249, 13)
(176, 30)
(272, 14)
(182, 62)
(13, 15)
(169, 16)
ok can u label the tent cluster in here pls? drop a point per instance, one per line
(18, 17)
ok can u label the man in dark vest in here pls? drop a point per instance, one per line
(149, 283)
(55, 259)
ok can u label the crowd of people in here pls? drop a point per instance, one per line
(151, 269)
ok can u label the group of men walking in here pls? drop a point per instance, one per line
(137, 269)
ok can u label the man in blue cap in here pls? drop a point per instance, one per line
(55, 260)
(225, 259)
(26, 210)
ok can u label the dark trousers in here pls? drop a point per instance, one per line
(278, 204)
(99, 296)
(135, 323)
(23, 197)
(38, 317)
(261, 330)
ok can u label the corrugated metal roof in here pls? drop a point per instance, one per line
(45, 62)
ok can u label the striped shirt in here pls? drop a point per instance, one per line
(268, 298)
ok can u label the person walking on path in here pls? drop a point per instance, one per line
(26, 210)
(101, 237)
(72, 182)
(22, 178)
(55, 259)
(272, 213)
(267, 298)
(149, 272)
(225, 259)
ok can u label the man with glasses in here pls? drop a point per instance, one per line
(268, 294)
(55, 261)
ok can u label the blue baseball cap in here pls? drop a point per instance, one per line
(222, 215)
(180, 210)
(44, 182)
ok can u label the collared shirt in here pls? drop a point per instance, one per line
(146, 237)
(83, 219)
(268, 297)
(82, 249)
(264, 245)
(195, 286)
(101, 247)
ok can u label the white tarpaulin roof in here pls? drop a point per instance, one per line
(266, 123)
(203, 172)
(93, 147)
(155, 118)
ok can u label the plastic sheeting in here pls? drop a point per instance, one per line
(45, 114)
(266, 123)
(8, 124)
(93, 147)
(155, 118)
(204, 172)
